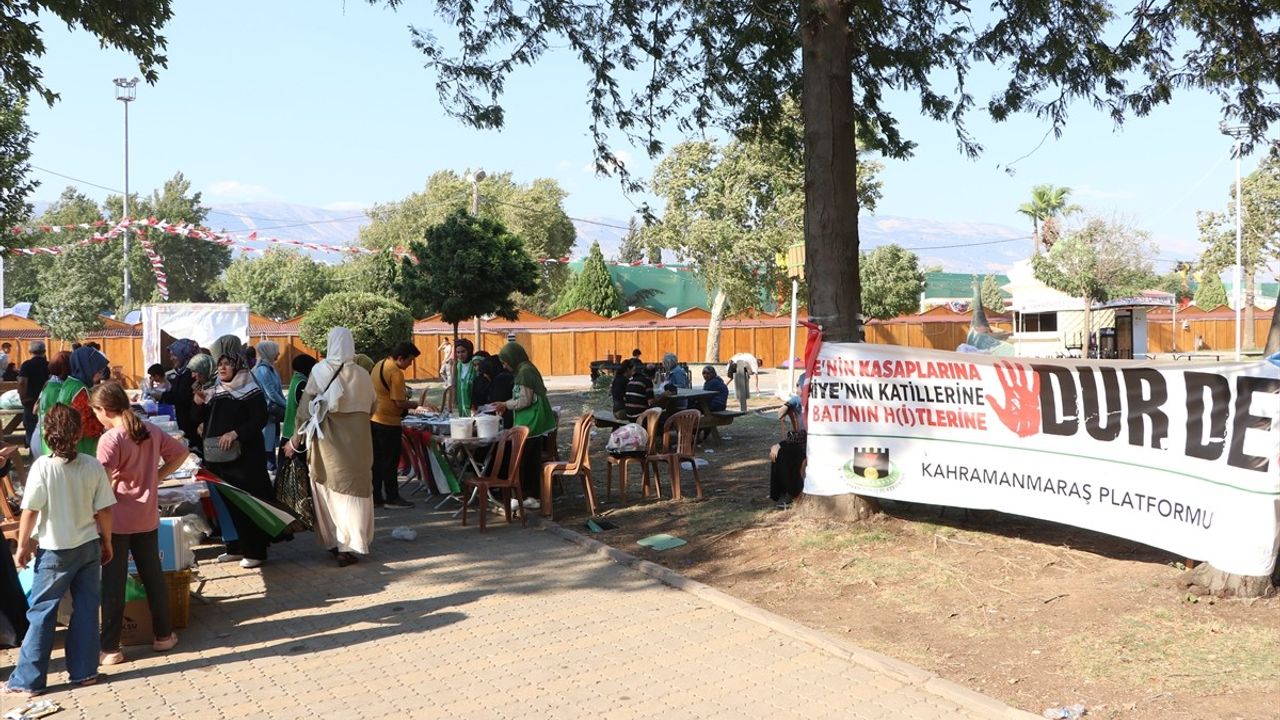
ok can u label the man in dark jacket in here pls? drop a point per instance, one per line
(31, 379)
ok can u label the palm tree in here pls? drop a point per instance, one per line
(1046, 203)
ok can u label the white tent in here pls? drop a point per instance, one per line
(202, 322)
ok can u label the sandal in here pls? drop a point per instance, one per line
(345, 559)
(114, 657)
(165, 644)
(88, 681)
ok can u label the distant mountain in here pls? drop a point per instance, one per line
(968, 247)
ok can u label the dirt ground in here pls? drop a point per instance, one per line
(1034, 613)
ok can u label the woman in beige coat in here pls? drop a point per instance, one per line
(333, 430)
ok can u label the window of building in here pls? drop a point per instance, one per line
(1038, 322)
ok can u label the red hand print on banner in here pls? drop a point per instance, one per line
(1021, 409)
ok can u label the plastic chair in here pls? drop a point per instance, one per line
(578, 465)
(649, 421)
(510, 446)
(684, 425)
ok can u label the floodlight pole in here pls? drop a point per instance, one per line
(475, 179)
(125, 92)
(1238, 132)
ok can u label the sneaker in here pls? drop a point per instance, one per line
(165, 644)
(532, 504)
(398, 503)
(250, 563)
(111, 658)
(515, 504)
(228, 557)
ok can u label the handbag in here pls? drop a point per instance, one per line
(214, 453)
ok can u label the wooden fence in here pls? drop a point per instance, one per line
(1216, 329)
(559, 346)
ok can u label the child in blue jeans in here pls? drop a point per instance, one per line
(66, 509)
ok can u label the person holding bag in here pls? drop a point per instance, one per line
(233, 414)
(333, 426)
(130, 451)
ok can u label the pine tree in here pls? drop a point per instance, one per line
(991, 297)
(630, 251)
(1210, 294)
(592, 289)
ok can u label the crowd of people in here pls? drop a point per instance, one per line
(329, 442)
(636, 387)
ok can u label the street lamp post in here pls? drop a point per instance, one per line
(475, 179)
(1238, 133)
(125, 89)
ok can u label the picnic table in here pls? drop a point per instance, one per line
(10, 423)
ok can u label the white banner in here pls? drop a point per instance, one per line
(1183, 457)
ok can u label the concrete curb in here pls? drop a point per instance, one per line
(902, 672)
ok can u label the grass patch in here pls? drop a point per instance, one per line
(1158, 649)
(711, 517)
(836, 540)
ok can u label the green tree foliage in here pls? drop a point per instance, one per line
(731, 66)
(378, 273)
(193, 267)
(532, 212)
(133, 27)
(71, 297)
(283, 283)
(1210, 293)
(1259, 240)
(76, 285)
(592, 289)
(631, 250)
(891, 282)
(15, 156)
(730, 210)
(992, 299)
(467, 267)
(376, 323)
(1047, 204)
(1101, 260)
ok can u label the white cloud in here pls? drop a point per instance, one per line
(236, 191)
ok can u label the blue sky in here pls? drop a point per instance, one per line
(327, 104)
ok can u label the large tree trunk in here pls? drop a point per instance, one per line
(713, 327)
(830, 159)
(830, 190)
(1206, 576)
(1250, 338)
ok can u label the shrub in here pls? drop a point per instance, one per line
(376, 323)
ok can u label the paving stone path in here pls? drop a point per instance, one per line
(512, 623)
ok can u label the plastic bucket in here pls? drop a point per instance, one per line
(487, 426)
(460, 427)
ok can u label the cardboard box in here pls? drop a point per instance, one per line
(136, 628)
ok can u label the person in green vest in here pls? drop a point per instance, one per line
(88, 368)
(59, 368)
(302, 365)
(530, 408)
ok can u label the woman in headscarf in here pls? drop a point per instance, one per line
(180, 386)
(88, 368)
(531, 408)
(202, 373)
(265, 374)
(364, 361)
(233, 414)
(333, 427)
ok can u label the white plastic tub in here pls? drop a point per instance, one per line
(461, 428)
(487, 426)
